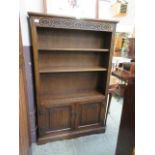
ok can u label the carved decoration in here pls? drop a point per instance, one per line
(75, 24)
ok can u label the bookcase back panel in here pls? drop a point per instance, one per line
(63, 38)
(72, 59)
(69, 83)
(102, 81)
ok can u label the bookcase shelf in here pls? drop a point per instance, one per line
(72, 69)
(88, 96)
(73, 49)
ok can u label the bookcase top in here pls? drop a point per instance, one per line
(70, 17)
(53, 21)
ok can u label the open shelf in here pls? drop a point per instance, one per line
(49, 69)
(48, 100)
(74, 39)
(72, 83)
(74, 49)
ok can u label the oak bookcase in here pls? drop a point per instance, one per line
(72, 62)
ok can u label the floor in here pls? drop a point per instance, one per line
(97, 144)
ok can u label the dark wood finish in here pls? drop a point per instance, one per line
(70, 134)
(71, 98)
(126, 137)
(85, 111)
(66, 62)
(70, 83)
(71, 64)
(24, 130)
(56, 118)
(70, 38)
(131, 46)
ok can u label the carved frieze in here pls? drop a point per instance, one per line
(69, 23)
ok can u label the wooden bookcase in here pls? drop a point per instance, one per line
(72, 62)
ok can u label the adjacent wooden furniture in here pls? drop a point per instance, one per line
(24, 130)
(126, 136)
(72, 62)
(131, 46)
(123, 74)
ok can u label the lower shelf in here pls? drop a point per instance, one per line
(70, 134)
(49, 100)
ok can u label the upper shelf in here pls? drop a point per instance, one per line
(74, 49)
(48, 69)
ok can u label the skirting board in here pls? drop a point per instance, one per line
(69, 134)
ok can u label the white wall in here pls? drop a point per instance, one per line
(25, 7)
(125, 24)
(64, 7)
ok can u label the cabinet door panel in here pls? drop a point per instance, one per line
(60, 118)
(56, 118)
(89, 114)
(43, 121)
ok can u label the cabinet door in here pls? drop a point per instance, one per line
(56, 118)
(90, 114)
